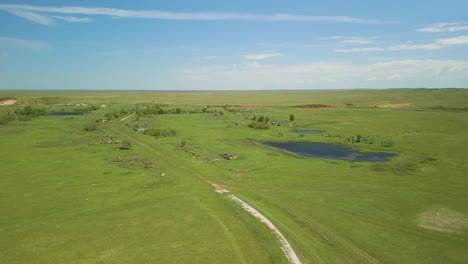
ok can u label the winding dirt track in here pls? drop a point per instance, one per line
(287, 249)
(285, 246)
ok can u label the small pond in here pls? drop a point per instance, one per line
(308, 132)
(64, 113)
(329, 151)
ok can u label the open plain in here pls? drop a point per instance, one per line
(129, 178)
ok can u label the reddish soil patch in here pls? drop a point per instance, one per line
(315, 106)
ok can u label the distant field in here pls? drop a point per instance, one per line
(67, 196)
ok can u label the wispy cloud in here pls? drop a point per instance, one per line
(34, 17)
(7, 42)
(352, 40)
(73, 19)
(438, 44)
(166, 15)
(263, 56)
(444, 27)
(401, 73)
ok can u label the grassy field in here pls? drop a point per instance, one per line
(66, 198)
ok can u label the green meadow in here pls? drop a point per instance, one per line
(98, 188)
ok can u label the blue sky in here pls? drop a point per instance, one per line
(231, 45)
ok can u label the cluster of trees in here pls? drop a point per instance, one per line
(30, 111)
(156, 132)
(159, 110)
(116, 114)
(23, 114)
(259, 125)
(87, 109)
(260, 122)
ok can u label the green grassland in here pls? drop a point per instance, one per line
(66, 198)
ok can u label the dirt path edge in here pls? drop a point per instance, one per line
(285, 246)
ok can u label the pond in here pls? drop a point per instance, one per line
(308, 132)
(64, 113)
(330, 151)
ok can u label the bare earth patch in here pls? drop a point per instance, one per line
(12, 102)
(403, 105)
(443, 220)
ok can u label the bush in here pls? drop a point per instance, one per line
(5, 119)
(161, 132)
(31, 111)
(91, 127)
(291, 117)
(259, 125)
(126, 145)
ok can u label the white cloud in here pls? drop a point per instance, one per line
(357, 40)
(444, 27)
(164, 15)
(398, 73)
(461, 40)
(438, 44)
(360, 49)
(351, 40)
(263, 56)
(6, 42)
(34, 17)
(73, 19)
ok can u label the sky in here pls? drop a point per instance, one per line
(232, 45)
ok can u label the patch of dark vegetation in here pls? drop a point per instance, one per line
(315, 106)
(404, 167)
(259, 125)
(396, 168)
(355, 139)
(126, 145)
(5, 119)
(26, 113)
(30, 111)
(164, 109)
(91, 127)
(135, 162)
(64, 113)
(115, 114)
(448, 108)
(156, 132)
(87, 109)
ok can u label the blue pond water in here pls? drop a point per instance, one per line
(330, 151)
(308, 132)
(64, 113)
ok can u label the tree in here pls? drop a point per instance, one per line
(126, 145)
(291, 117)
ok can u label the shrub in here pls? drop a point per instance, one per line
(5, 119)
(259, 125)
(126, 145)
(91, 127)
(161, 132)
(291, 117)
